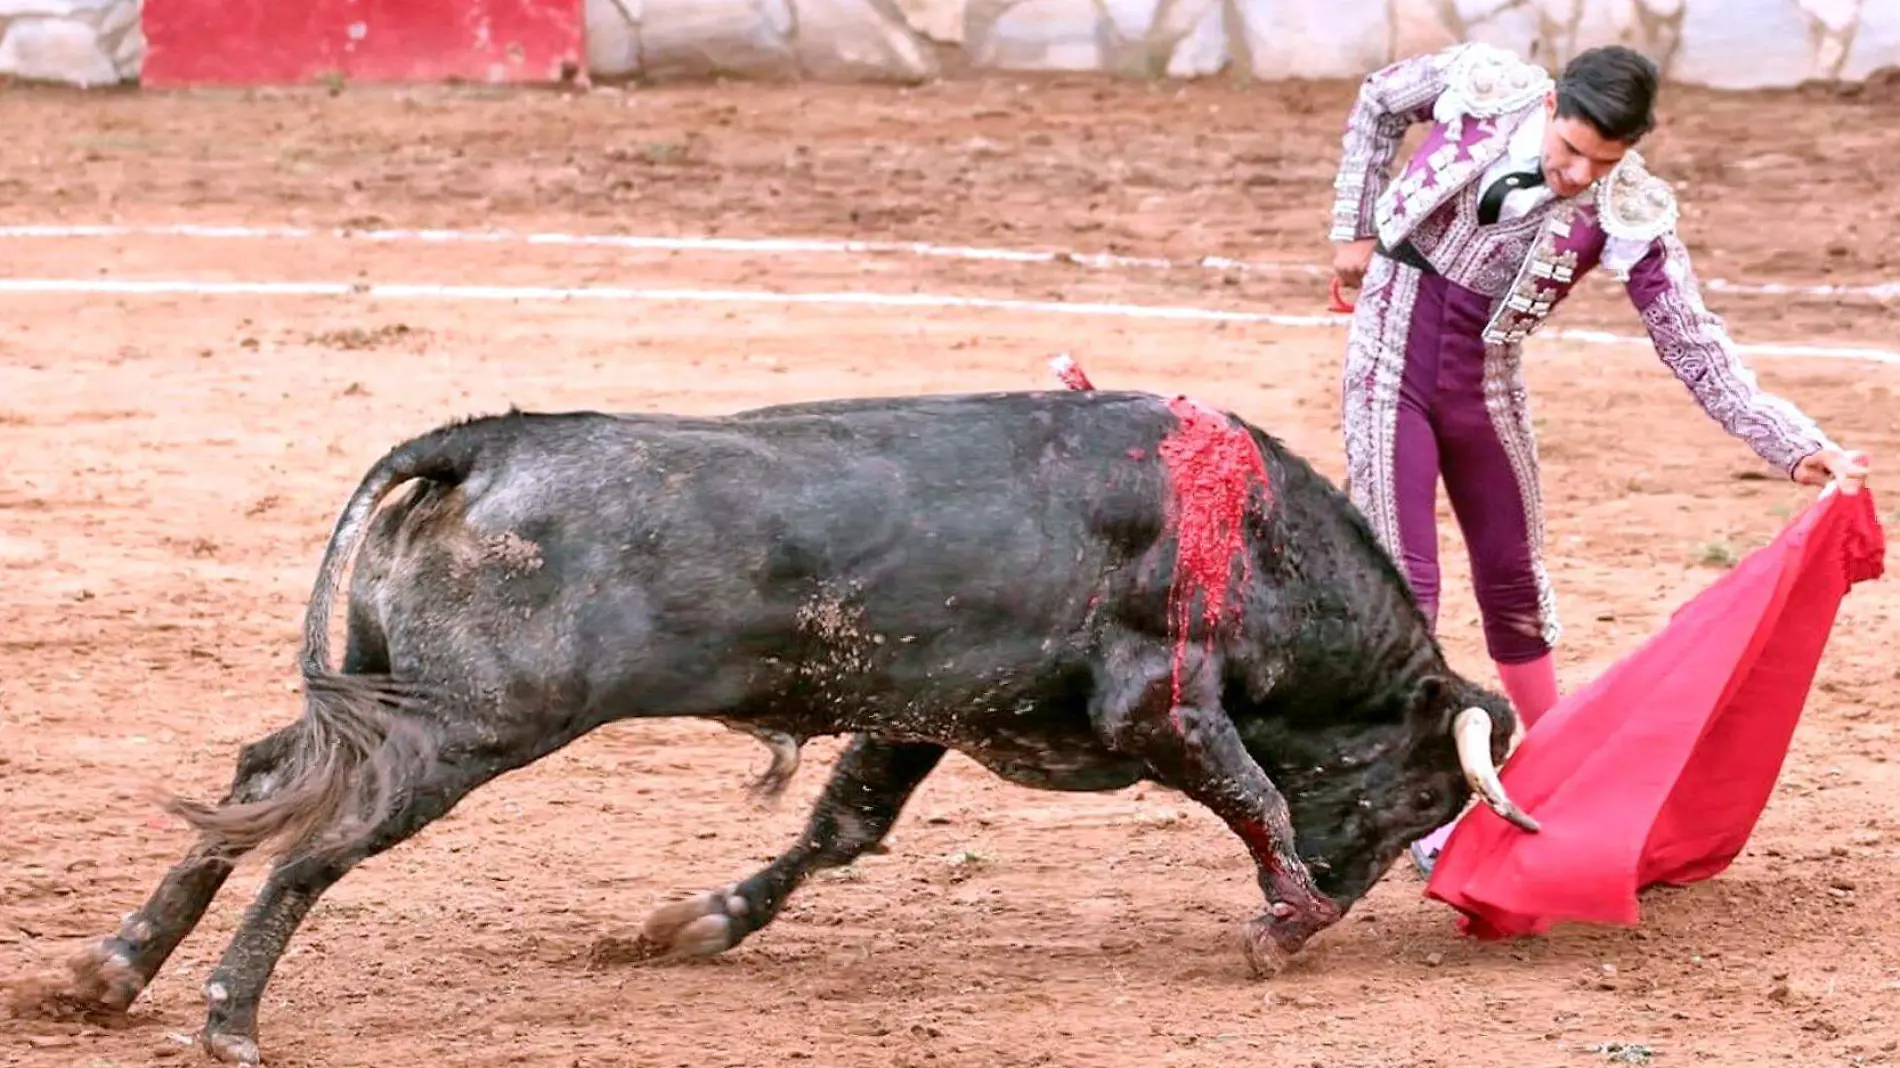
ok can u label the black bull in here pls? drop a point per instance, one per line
(1080, 591)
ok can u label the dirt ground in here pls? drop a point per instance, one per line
(170, 467)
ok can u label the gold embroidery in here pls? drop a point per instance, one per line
(1375, 368)
(1507, 402)
(1636, 205)
(1561, 268)
(1484, 81)
(1534, 293)
(1409, 200)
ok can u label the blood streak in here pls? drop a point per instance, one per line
(1213, 468)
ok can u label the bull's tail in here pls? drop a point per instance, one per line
(340, 770)
(317, 788)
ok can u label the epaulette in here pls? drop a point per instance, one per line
(1633, 204)
(1484, 80)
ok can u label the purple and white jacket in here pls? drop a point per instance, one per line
(1474, 96)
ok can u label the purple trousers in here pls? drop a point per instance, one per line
(1425, 396)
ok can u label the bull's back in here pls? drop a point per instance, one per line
(935, 551)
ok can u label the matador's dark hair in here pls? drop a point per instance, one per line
(1613, 88)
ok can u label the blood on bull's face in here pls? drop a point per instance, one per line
(1361, 788)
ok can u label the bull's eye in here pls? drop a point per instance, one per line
(1427, 798)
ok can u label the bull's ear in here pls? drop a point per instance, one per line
(1431, 701)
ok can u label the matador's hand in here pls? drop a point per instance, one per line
(1818, 469)
(1350, 260)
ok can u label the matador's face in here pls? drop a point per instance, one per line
(1575, 153)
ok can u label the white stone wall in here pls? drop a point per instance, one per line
(1729, 44)
(79, 42)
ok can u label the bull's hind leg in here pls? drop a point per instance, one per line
(467, 758)
(110, 973)
(861, 802)
(1193, 746)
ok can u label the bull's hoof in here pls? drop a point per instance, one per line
(1264, 942)
(701, 926)
(103, 977)
(232, 1049)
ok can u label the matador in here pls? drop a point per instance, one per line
(1523, 184)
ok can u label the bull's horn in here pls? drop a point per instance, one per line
(1472, 730)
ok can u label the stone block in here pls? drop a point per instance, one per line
(703, 38)
(1419, 26)
(1202, 49)
(862, 40)
(1140, 38)
(55, 50)
(1130, 20)
(1041, 35)
(1876, 41)
(1302, 39)
(937, 20)
(613, 39)
(1745, 44)
(116, 18)
(38, 9)
(128, 55)
(1833, 29)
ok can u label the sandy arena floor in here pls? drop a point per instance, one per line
(170, 466)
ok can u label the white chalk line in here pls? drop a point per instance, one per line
(1879, 291)
(635, 242)
(413, 291)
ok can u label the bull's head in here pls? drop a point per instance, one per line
(1364, 782)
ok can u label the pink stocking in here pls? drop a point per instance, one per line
(1531, 686)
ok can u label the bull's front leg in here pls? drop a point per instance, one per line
(1193, 747)
(867, 792)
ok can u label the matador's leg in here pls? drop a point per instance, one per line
(1490, 461)
(1388, 395)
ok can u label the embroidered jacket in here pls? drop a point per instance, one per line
(1475, 96)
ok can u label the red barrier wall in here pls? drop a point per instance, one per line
(263, 42)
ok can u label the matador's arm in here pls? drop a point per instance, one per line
(1391, 101)
(1638, 213)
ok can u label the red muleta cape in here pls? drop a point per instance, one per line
(1656, 773)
